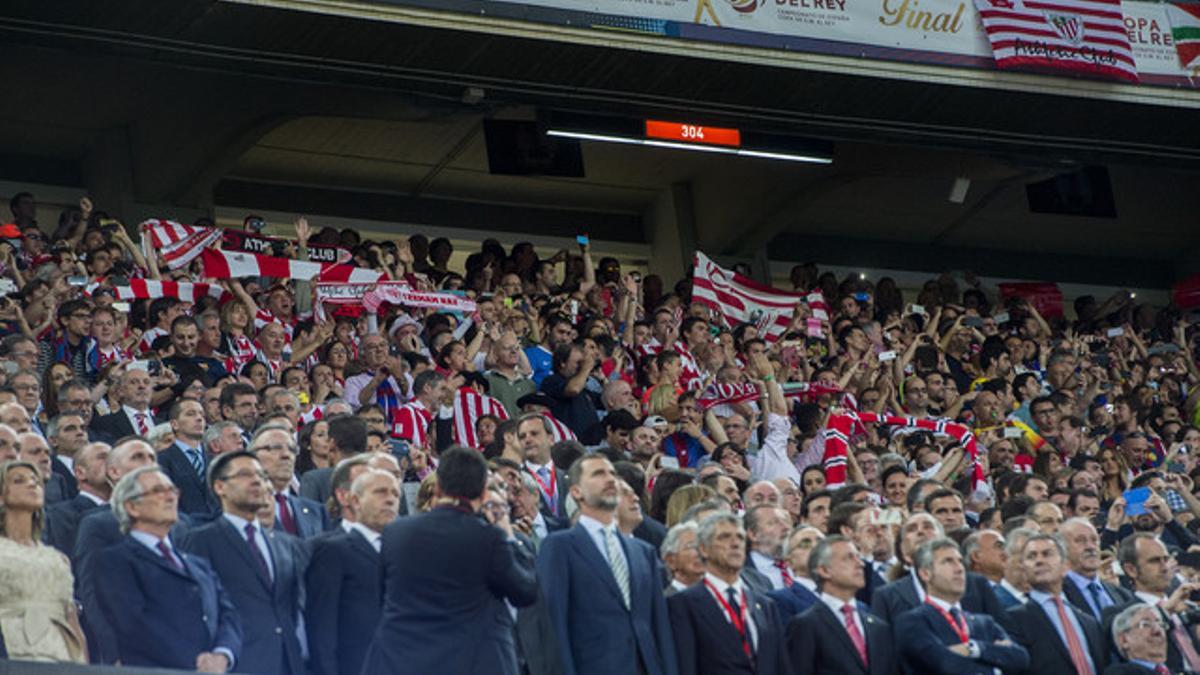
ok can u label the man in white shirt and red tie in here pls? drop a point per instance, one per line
(838, 635)
(379, 383)
(536, 437)
(135, 417)
(720, 626)
(767, 527)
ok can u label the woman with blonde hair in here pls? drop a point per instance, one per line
(1115, 472)
(37, 611)
(685, 498)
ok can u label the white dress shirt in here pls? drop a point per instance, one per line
(766, 565)
(373, 538)
(739, 589)
(835, 605)
(596, 529)
(132, 414)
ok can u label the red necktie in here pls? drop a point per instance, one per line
(1074, 646)
(166, 553)
(285, 514)
(143, 428)
(1160, 669)
(787, 574)
(856, 636)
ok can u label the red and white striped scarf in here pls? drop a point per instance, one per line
(729, 393)
(228, 265)
(840, 428)
(139, 289)
(469, 406)
(179, 244)
(809, 392)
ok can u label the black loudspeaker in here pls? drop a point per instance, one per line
(1087, 192)
(518, 148)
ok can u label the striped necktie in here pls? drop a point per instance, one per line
(617, 562)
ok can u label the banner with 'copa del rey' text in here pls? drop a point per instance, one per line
(945, 32)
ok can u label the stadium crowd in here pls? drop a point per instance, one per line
(590, 472)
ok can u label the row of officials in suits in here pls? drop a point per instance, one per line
(458, 590)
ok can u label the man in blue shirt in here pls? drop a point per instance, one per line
(558, 331)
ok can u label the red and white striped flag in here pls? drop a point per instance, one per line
(739, 299)
(179, 244)
(1076, 36)
(230, 265)
(558, 430)
(469, 406)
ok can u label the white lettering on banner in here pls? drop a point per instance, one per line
(943, 27)
(372, 296)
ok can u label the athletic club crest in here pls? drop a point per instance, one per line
(1069, 27)
(744, 6)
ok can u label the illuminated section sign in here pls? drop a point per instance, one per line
(693, 133)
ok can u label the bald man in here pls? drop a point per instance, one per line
(91, 477)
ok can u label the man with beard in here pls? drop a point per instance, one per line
(603, 588)
(767, 527)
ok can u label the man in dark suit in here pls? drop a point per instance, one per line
(347, 438)
(837, 635)
(938, 637)
(67, 436)
(1083, 586)
(165, 608)
(1141, 637)
(99, 529)
(257, 568)
(62, 519)
(275, 448)
(603, 588)
(185, 462)
(1058, 637)
(720, 627)
(536, 437)
(134, 418)
(345, 577)
(444, 605)
(1146, 562)
(906, 592)
(803, 593)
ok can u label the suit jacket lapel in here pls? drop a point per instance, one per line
(360, 544)
(712, 614)
(240, 544)
(835, 626)
(587, 548)
(141, 550)
(1046, 627)
(908, 591)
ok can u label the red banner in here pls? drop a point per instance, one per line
(1045, 297)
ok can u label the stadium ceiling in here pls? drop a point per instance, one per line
(259, 107)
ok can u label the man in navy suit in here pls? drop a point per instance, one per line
(803, 593)
(604, 589)
(99, 529)
(536, 437)
(165, 608)
(257, 568)
(1083, 586)
(447, 574)
(938, 637)
(185, 462)
(837, 635)
(67, 436)
(345, 577)
(720, 626)
(62, 519)
(275, 448)
(1058, 637)
(134, 418)
(906, 592)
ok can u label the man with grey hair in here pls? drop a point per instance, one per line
(1146, 562)
(938, 636)
(336, 406)
(1083, 586)
(983, 553)
(75, 396)
(796, 550)
(221, 437)
(67, 436)
(14, 416)
(275, 448)
(1058, 637)
(681, 556)
(1140, 636)
(756, 643)
(31, 447)
(768, 527)
(165, 608)
(837, 634)
(1013, 589)
(345, 578)
(99, 530)
(286, 403)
